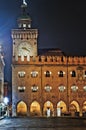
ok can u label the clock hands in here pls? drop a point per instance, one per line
(24, 48)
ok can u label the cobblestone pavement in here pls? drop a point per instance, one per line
(35, 123)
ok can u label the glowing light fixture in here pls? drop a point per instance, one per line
(6, 100)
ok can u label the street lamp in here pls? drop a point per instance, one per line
(6, 100)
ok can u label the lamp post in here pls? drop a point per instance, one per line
(1, 110)
(6, 101)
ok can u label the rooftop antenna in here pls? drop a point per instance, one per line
(24, 2)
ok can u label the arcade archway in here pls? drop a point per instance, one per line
(35, 109)
(48, 105)
(74, 108)
(21, 109)
(84, 107)
(61, 105)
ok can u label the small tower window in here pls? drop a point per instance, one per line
(24, 25)
(29, 25)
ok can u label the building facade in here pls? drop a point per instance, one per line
(48, 81)
(2, 64)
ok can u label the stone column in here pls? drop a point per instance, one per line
(14, 110)
(55, 110)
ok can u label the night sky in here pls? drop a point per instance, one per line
(61, 24)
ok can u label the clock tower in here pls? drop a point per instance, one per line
(24, 46)
(24, 38)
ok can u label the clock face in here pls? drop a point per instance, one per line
(24, 49)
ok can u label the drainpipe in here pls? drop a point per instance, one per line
(67, 88)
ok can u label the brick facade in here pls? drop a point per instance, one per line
(46, 82)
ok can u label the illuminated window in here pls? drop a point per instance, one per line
(61, 88)
(74, 88)
(34, 74)
(84, 88)
(29, 25)
(61, 73)
(21, 88)
(73, 73)
(21, 74)
(47, 73)
(48, 88)
(24, 25)
(34, 88)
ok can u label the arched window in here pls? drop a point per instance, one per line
(74, 88)
(34, 74)
(21, 88)
(47, 73)
(85, 74)
(60, 73)
(34, 88)
(48, 88)
(73, 73)
(84, 88)
(21, 74)
(61, 88)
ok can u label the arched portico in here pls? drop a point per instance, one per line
(35, 109)
(48, 106)
(61, 106)
(84, 109)
(21, 108)
(74, 108)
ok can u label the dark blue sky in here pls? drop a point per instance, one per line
(61, 24)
